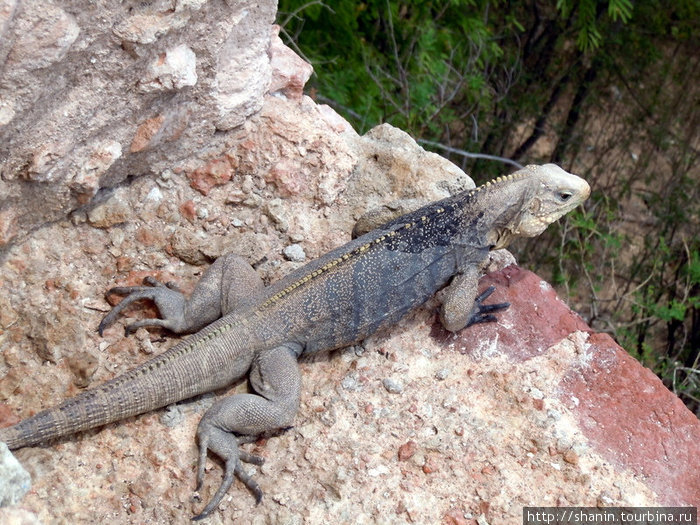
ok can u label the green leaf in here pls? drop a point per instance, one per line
(620, 10)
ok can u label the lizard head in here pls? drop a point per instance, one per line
(548, 193)
(556, 193)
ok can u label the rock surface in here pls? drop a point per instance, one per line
(94, 93)
(416, 425)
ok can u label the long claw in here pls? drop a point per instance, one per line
(225, 445)
(232, 467)
(250, 483)
(201, 462)
(483, 313)
(132, 293)
(250, 458)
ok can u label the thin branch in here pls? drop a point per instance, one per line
(470, 155)
(334, 104)
(295, 13)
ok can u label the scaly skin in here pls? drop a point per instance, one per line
(244, 328)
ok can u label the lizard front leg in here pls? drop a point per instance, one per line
(461, 307)
(275, 378)
(223, 287)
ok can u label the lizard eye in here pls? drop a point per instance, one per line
(565, 195)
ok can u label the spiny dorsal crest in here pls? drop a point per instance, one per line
(520, 174)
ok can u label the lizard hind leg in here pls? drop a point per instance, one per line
(224, 286)
(169, 300)
(275, 378)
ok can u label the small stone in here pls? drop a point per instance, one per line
(454, 517)
(172, 70)
(350, 383)
(407, 450)
(188, 210)
(114, 210)
(571, 457)
(430, 466)
(8, 225)
(104, 155)
(7, 112)
(442, 374)
(145, 136)
(536, 393)
(277, 211)
(216, 172)
(83, 365)
(294, 253)
(378, 471)
(144, 338)
(393, 387)
(187, 247)
(154, 195)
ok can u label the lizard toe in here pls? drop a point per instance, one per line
(225, 445)
(483, 313)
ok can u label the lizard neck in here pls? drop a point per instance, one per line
(492, 210)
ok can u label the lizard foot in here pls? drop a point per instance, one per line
(225, 445)
(169, 300)
(274, 376)
(483, 313)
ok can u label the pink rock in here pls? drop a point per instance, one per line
(145, 133)
(624, 411)
(289, 71)
(636, 422)
(8, 225)
(288, 177)
(214, 173)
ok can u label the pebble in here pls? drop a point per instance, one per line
(294, 253)
(393, 387)
(350, 383)
(172, 416)
(15, 482)
(442, 374)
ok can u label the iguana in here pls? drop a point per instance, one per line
(244, 328)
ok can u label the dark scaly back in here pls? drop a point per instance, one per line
(374, 280)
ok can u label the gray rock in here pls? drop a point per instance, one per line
(393, 387)
(14, 480)
(71, 122)
(294, 253)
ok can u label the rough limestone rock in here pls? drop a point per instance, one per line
(91, 94)
(415, 425)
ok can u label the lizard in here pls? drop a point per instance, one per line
(242, 328)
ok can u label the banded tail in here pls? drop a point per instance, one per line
(201, 363)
